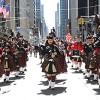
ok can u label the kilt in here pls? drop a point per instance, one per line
(22, 59)
(80, 59)
(49, 67)
(10, 64)
(16, 62)
(62, 65)
(1, 70)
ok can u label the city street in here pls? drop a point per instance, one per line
(33, 85)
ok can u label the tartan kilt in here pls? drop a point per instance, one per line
(10, 64)
(62, 65)
(46, 67)
(22, 59)
(1, 70)
(16, 62)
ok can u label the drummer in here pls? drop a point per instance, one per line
(81, 52)
(76, 48)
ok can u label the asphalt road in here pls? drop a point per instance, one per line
(33, 85)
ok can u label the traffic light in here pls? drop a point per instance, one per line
(81, 21)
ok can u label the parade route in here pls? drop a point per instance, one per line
(33, 85)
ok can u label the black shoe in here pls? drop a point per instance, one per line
(80, 71)
(16, 76)
(88, 78)
(7, 81)
(4, 80)
(68, 62)
(25, 70)
(49, 87)
(85, 77)
(83, 73)
(95, 80)
(72, 66)
(76, 69)
(52, 88)
(22, 72)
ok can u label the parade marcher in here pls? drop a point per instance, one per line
(1, 63)
(16, 56)
(97, 44)
(81, 52)
(7, 52)
(49, 66)
(52, 33)
(9, 62)
(41, 51)
(89, 51)
(74, 52)
(22, 54)
(30, 50)
(68, 51)
(62, 65)
(86, 51)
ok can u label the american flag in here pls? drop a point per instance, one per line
(68, 37)
(6, 11)
(1, 6)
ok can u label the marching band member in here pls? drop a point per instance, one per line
(16, 56)
(49, 66)
(1, 63)
(9, 62)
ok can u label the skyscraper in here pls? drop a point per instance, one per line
(63, 18)
(38, 15)
(81, 8)
(57, 21)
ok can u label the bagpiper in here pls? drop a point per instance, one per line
(49, 66)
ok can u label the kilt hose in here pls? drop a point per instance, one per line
(11, 65)
(93, 65)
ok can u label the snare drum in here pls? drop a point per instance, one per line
(76, 53)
